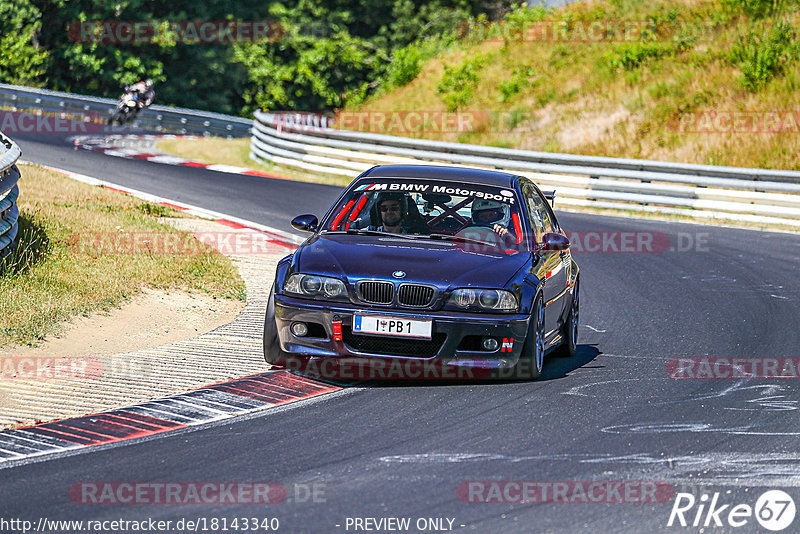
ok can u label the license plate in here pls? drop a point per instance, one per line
(392, 326)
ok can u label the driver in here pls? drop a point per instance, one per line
(491, 214)
(393, 210)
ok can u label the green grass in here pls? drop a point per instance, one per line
(690, 56)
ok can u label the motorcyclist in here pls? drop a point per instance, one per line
(143, 91)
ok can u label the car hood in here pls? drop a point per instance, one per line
(440, 263)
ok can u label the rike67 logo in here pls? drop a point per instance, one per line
(774, 510)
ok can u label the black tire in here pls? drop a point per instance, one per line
(131, 116)
(569, 330)
(531, 361)
(273, 354)
(121, 116)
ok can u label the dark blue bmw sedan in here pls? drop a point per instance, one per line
(464, 268)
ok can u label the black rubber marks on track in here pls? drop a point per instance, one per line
(211, 403)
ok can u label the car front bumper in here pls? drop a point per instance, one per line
(447, 346)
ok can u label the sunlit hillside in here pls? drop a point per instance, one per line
(694, 81)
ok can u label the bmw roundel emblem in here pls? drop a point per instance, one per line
(399, 274)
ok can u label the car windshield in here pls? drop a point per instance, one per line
(431, 209)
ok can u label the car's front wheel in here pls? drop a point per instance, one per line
(531, 361)
(273, 354)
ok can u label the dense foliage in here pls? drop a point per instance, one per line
(327, 52)
(21, 60)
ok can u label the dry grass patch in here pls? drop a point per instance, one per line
(56, 273)
(212, 150)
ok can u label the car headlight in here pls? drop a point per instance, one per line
(310, 285)
(485, 299)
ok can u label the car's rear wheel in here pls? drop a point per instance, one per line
(531, 361)
(569, 330)
(273, 354)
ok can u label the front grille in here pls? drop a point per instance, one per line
(388, 346)
(415, 295)
(376, 292)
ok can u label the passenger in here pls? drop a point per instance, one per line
(491, 214)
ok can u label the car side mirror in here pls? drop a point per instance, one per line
(306, 223)
(553, 242)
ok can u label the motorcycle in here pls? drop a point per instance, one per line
(127, 109)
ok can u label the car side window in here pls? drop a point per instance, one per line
(552, 218)
(548, 222)
(535, 212)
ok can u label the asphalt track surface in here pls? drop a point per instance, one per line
(610, 413)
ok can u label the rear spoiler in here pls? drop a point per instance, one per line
(550, 196)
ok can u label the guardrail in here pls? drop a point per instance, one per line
(304, 141)
(9, 191)
(158, 118)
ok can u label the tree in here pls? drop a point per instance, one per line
(22, 61)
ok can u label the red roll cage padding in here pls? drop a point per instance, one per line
(361, 202)
(356, 210)
(359, 207)
(342, 213)
(517, 227)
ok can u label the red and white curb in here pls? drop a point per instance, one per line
(274, 235)
(207, 404)
(113, 146)
(200, 406)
